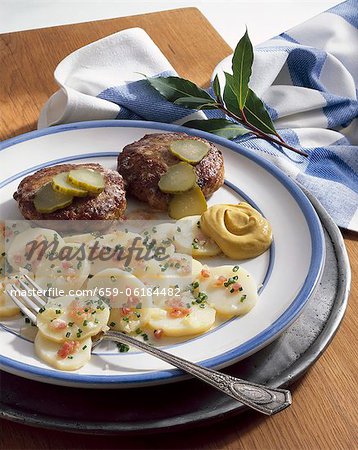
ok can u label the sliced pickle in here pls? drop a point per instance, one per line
(190, 203)
(61, 184)
(189, 150)
(47, 200)
(87, 179)
(178, 178)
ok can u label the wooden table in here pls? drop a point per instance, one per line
(325, 400)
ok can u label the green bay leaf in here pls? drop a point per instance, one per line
(257, 114)
(217, 89)
(220, 127)
(194, 103)
(242, 61)
(230, 98)
(175, 88)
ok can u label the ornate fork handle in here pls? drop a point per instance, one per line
(261, 398)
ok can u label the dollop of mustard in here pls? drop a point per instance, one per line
(239, 230)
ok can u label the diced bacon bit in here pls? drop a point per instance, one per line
(78, 313)
(68, 348)
(38, 240)
(174, 302)
(70, 274)
(220, 281)
(186, 268)
(236, 287)
(205, 273)
(58, 324)
(132, 301)
(158, 334)
(66, 265)
(178, 313)
(125, 311)
(18, 259)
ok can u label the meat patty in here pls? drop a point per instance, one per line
(108, 205)
(142, 163)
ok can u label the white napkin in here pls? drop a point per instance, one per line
(307, 77)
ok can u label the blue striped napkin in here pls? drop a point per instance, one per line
(307, 77)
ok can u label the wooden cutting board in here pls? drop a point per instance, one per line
(30, 57)
(325, 401)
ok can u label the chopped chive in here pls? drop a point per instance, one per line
(123, 348)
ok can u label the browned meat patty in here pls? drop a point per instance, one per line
(108, 205)
(143, 163)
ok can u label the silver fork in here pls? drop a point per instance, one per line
(261, 398)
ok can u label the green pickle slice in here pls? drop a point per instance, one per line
(178, 178)
(88, 179)
(61, 184)
(189, 150)
(47, 200)
(190, 203)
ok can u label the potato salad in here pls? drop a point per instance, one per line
(154, 282)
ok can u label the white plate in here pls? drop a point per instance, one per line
(289, 271)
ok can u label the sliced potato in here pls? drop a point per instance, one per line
(163, 235)
(189, 150)
(7, 306)
(190, 239)
(73, 318)
(68, 355)
(61, 184)
(28, 248)
(87, 179)
(67, 270)
(79, 238)
(113, 251)
(47, 200)
(129, 299)
(177, 271)
(178, 178)
(182, 321)
(231, 290)
(188, 203)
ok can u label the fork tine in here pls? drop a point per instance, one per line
(18, 303)
(34, 296)
(38, 289)
(27, 299)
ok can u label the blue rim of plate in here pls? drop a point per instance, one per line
(252, 345)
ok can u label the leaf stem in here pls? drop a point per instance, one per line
(243, 120)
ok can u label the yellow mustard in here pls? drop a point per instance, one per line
(239, 230)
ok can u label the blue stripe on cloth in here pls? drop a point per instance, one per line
(305, 65)
(288, 38)
(323, 163)
(138, 100)
(348, 11)
(340, 201)
(340, 111)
